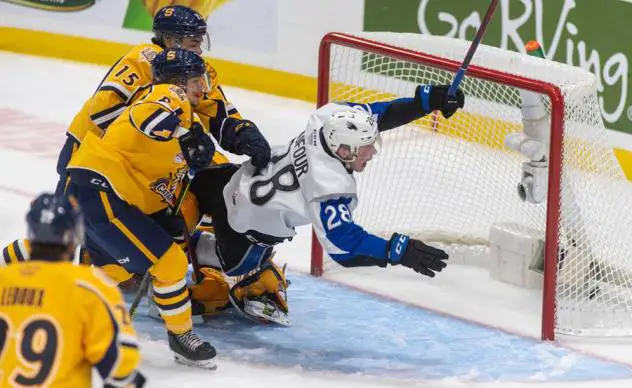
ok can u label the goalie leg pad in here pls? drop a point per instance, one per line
(262, 296)
(210, 296)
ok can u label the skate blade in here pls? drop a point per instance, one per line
(267, 312)
(202, 364)
(257, 314)
(279, 320)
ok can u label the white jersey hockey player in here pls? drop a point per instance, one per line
(311, 181)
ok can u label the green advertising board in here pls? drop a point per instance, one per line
(592, 34)
(137, 16)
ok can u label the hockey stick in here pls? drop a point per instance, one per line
(176, 208)
(138, 297)
(144, 284)
(470, 52)
(187, 235)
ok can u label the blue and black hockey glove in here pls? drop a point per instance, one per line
(435, 97)
(414, 254)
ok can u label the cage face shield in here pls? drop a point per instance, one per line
(197, 43)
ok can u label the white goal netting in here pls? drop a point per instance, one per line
(447, 181)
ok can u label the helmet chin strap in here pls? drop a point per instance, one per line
(346, 162)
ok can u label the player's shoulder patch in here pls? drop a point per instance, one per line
(147, 52)
(171, 95)
(178, 91)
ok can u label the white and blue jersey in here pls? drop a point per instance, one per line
(306, 184)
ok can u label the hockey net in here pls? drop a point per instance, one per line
(448, 181)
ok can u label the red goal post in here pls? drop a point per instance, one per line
(551, 90)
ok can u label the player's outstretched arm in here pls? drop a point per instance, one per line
(352, 246)
(401, 111)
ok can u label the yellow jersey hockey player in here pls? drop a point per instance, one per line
(59, 320)
(129, 78)
(128, 180)
(126, 81)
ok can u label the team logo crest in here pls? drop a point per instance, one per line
(371, 121)
(148, 54)
(178, 92)
(166, 187)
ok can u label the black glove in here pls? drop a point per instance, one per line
(197, 147)
(247, 140)
(414, 254)
(435, 97)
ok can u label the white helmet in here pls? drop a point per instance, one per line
(351, 127)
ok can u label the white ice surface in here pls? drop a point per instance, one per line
(49, 91)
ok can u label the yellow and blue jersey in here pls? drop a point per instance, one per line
(137, 159)
(57, 321)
